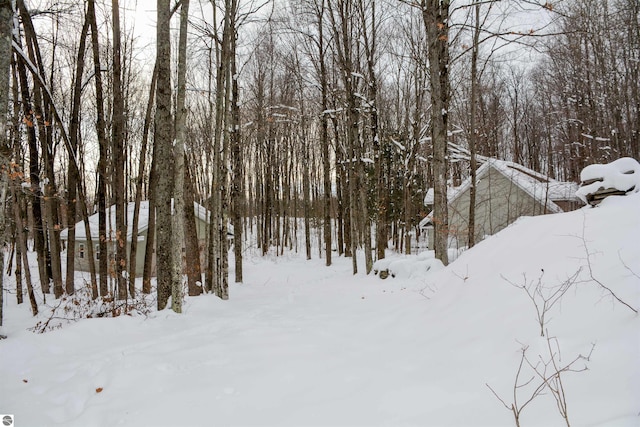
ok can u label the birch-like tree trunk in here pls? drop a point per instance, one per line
(178, 171)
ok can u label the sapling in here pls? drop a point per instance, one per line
(546, 375)
(545, 298)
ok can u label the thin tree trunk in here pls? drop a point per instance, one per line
(50, 228)
(178, 171)
(133, 252)
(6, 31)
(237, 194)
(117, 141)
(192, 247)
(150, 244)
(34, 177)
(18, 270)
(324, 135)
(102, 162)
(72, 180)
(21, 238)
(474, 134)
(306, 188)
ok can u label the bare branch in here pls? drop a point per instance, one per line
(596, 280)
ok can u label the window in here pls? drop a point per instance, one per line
(97, 251)
(81, 250)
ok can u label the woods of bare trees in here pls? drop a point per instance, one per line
(315, 121)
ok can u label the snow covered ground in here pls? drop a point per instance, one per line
(300, 344)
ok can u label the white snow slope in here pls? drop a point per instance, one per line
(300, 344)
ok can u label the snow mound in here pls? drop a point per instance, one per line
(497, 286)
(622, 175)
(409, 266)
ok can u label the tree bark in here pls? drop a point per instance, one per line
(192, 246)
(164, 156)
(117, 141)
(6, 31)
(73, 178)
(435, 14)
(34, 178)
(133, 252)
(21, 237)
(324, 134)
(102, 162)
(473, 135)
(237, 194)
(178, 171)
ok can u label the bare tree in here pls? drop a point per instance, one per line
(435, 14)
(103, 157)
(6, 33)
(118, 161)
(73, 178)
(179, 167)
(163, 156)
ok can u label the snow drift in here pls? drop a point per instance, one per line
(300, 344)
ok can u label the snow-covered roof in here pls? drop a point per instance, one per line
(542, 188)
(429, 197)
(539, 186)
(143, 221)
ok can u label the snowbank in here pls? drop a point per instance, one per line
(300, 344)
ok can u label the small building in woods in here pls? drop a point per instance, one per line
(81, 254)
(505, 191)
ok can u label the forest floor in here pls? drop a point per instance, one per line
(301, 344)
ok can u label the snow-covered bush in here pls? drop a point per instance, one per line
(407, 266)
(622, 175)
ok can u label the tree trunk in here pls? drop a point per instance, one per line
(21, 238)
(473, 134)
(237, 194)
(178, 171)
(435, 14)
(6, 31)
(72, 178)
(117, 141)
(192, 247)
(150, 244)
(34, 177)
(324, 135)
(133, 252)
(102, 162)
(163, 156)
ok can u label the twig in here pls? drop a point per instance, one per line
(602, 285)
(544, 303)
(633, 273)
